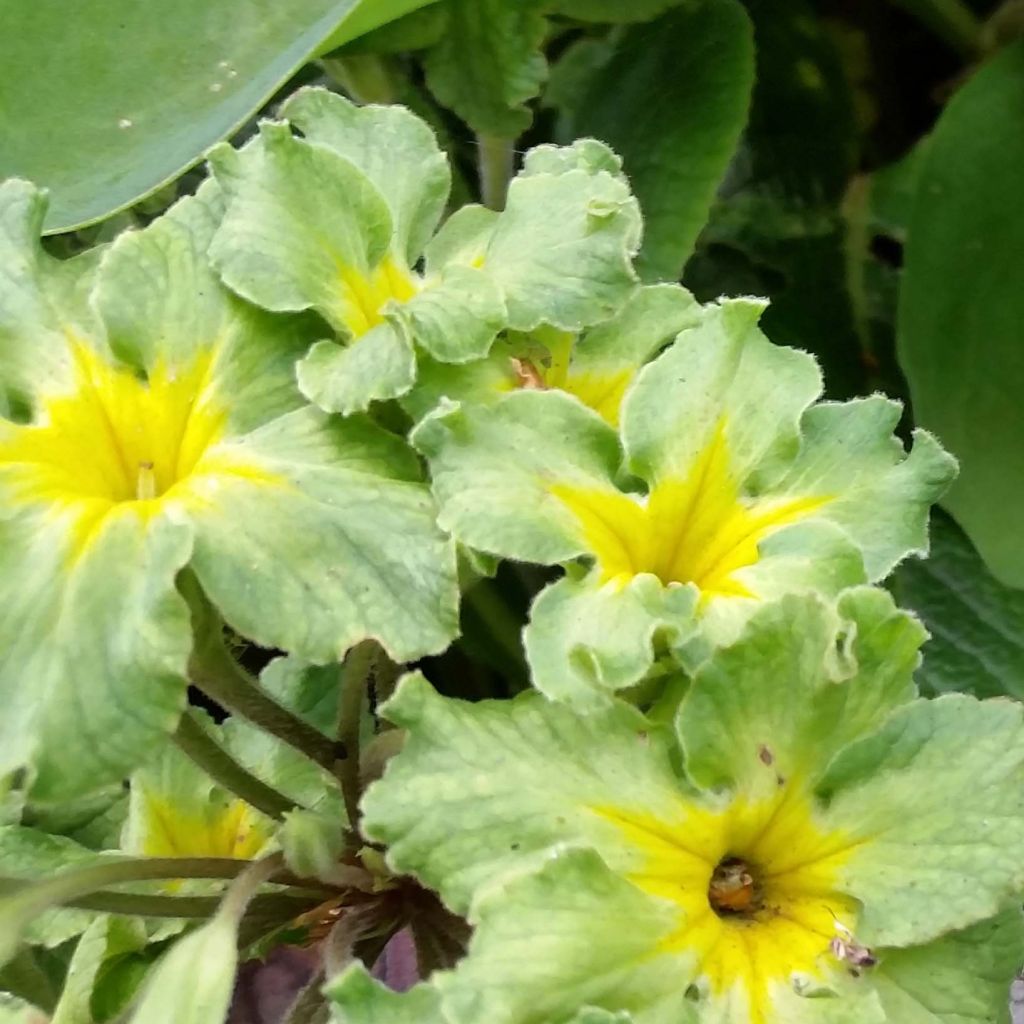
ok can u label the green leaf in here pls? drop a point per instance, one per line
(611, 10)
(959, 979)
(488, 63)
(106, 940)
(960, 765)
(961, 305)
(976, 622)
(196, 977)
(108, 130)
(460, 837)
(683, 80)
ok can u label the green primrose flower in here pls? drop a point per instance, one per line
(808, 841)
(723, 486)
(154, 424)
(337, 221)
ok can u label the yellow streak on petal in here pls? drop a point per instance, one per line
(696, 529)
(796, 864)
(117, 440)
(232, 829)
(364, 294)
(603, 392)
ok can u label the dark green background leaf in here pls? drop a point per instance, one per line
(961, 317)
(104, 101)
(976, 623)
(672, 101)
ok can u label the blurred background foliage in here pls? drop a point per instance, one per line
(859, 162)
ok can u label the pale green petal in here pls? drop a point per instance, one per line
(586, 640)
(95, 640)
(33, 855)
(570, 935)
(165, 310)
(323, 535)
(962, 978)
(358, 999)
(723, 375)
(491, 471)
(299, 218)
(780, 702)
(17, 1011)
(456, 317)
(590, 155)
(561, 251)
(881, 494)
(349, 378)
(462, 239)
(488, 789)
(653, 316)
(395, 149)
(933, 804)
(41, 298)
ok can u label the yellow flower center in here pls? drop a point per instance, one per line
(694, 529)
(365, 295)
(233, 829)
(115, 438)
(756, 886)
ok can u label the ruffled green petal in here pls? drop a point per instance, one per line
(803, 680)
(321, 534)
(933, 805)
(569, 935)
(484, 790)
(462, 239)
(166, 313)
(562, 249)
(95, 641)
(585, 641)
(349, 378)
(304, 229)
(393, 148)
(358, 999)
(42, 299)
(492, 471)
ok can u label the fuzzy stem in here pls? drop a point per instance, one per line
(213, 669)
(309, 1006)
(355, 675)
(364, 76)
(246, 885)
(496, 163)
(204, 751)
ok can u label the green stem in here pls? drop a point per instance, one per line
(213, 669)
(505, 628)
(246, 885)
(340, 943)
(355, 675)
(130, 904)
(951, 20)
(309, 1006)
(365, 77)
(496, 163)
(194, 741)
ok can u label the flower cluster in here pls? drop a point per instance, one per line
(286, 404)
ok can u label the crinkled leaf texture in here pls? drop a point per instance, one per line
(168, 431)
(587, 848)
(724, 480)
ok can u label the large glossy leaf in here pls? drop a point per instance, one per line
(103, 101)
(962, 305)
(672, 102)
(976, 622)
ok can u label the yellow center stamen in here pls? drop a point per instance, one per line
(364, 295)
